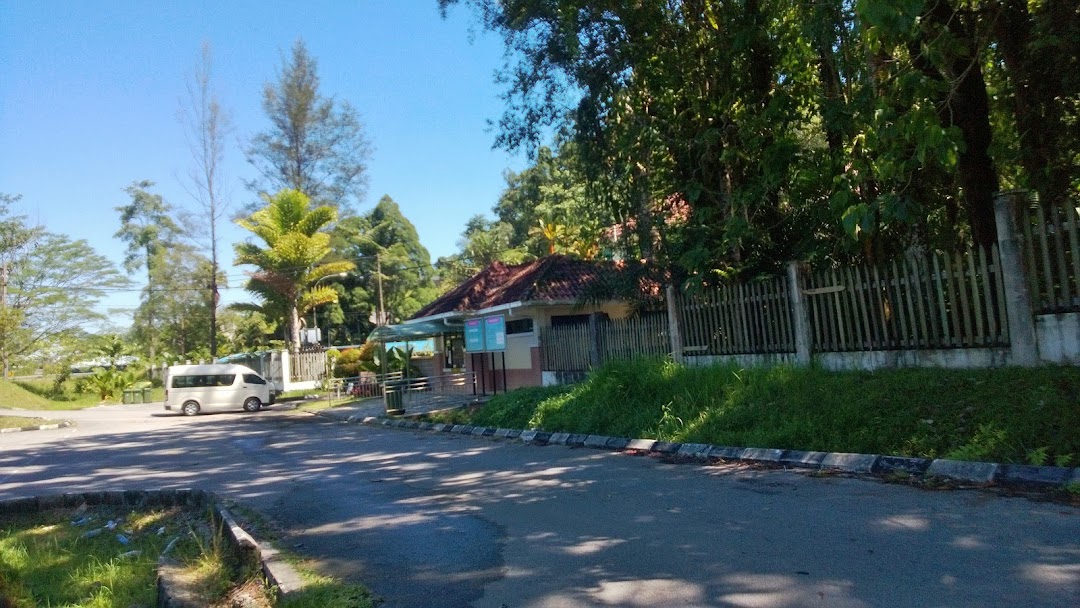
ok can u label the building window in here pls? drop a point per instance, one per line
(519, 326)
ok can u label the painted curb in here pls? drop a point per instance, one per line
(852, 463)
(40, 427)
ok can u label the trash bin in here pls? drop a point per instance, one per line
(132, 395)
(146, 394)
(127, 396)
(393, 391)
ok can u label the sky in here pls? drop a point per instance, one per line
(90, 94)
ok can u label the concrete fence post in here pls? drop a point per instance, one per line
(673, 324)
(596, 357)
(799, 313)
(1023, 342)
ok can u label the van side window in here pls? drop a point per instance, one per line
(203, 380)
(253, 379)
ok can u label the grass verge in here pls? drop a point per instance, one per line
(107, 556)
(17, 422)
(1005, 415)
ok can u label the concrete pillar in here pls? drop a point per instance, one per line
(1023, 343)
(799, 313)
(673, 325)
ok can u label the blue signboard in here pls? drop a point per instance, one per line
(495, 333)
(474, 336)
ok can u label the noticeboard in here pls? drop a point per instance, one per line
(495, 333)
(474, 336)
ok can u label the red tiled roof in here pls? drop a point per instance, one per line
(553, 279)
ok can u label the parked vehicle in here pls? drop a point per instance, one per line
(194, 389)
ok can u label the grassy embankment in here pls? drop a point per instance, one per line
(41, 395)
(1005, 415)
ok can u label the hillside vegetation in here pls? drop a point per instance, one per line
(1007, 415)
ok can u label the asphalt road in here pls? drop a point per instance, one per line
(444, 520)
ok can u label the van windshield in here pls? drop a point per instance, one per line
(197, 380)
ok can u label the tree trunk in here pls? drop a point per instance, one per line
(294, 330)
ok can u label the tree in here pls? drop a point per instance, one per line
(482, 242)
(146, 225)
(315, 144)
(206, 126)
(386, 243)
(50, 286)
(291, 261)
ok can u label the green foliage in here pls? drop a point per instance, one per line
(998, 414)
(731, 137)
(109, 383)
(291, 260)
(380, 240)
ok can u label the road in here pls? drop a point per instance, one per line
(445, 520)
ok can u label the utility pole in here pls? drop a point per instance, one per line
(378, 274)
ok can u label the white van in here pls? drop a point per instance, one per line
(192, 389)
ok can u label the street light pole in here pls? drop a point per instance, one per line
(315, 309)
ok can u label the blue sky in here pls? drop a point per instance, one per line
(89, 95)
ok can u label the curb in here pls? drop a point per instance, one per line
(978, 473)
(281, 577)
(40, 427)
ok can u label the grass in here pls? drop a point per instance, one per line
(40, 394)
(1004, 415)
(16, 422)
(70, 558)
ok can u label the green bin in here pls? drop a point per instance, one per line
(146, 394)
(132, 395)
(392, 397)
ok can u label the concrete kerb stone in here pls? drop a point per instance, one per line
(766, 455)
(887, 465)
(598, 442)
(697, 451)
(849, 463)
(975, 472)
(280, 575)
(502, 433)
(1026, 475)
(558, 438)
(527, 436)
(666, 447)
(576, 440)
(802, 459)
(641, 445)
(726, 453)
(616, 443)
(39, 427)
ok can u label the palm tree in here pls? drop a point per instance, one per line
(292, 260)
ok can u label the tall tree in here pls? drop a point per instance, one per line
(206, 125)
(292, 258)
(315, 144)
(147, 226)
(50, 286)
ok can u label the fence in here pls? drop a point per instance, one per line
(939, 300)
(737, 319)
(1052, 255)
(985, 297)
(583, 346)
(308, 365)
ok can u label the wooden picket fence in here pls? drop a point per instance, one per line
(735, 319)
(568, 347)
(939, 300)
(1052, 255)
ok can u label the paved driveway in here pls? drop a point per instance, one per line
(442, 520)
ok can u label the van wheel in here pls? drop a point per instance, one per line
(252, 404)
(190, 408)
